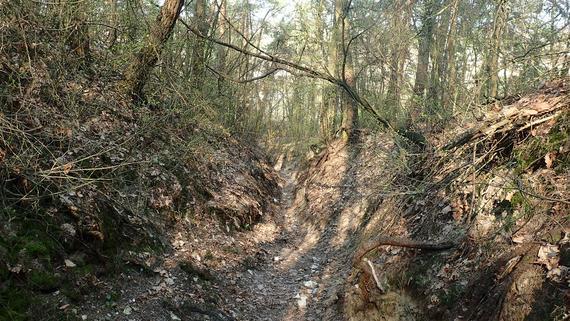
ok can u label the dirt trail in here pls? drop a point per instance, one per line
(303, 276)
(295, 264)
(288, 270)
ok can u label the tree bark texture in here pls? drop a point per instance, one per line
(499, 24)
(138, 72)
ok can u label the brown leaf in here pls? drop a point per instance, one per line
(67, 167)
(549, 159)
(549, 255)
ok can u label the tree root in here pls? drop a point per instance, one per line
(401, 242)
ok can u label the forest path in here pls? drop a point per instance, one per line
(287, 268)
(303, 275)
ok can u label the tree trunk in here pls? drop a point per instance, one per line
(494, 49)
(424, 50)
(221, 51)
(199, 50)
(114, 22)
(336, 53)
(401, 14)
(349, 108)
(328, 92)
(449, 92)
(138, 72)
(438, 64)
(393, 94)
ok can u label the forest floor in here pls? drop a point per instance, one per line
(293, 274)
(303, 278)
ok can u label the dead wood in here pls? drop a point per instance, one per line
(304, 70)
(521, 115)
(400, 242)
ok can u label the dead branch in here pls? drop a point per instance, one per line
(306, 71)
(400, 242)
(512, 119)
(378, 284)
(244, 81)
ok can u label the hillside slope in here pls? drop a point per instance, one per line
(92, 185)
(475, 229)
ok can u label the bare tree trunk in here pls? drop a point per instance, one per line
(424, 50)
(114, 21)
(336, 52)
(437, 74)
(199, 50)
(328, 92)
(349, 108)
(494, 49)
(221, 51)
(243, 109)
(449, 92)
(424, 47)
(401, 14)
(393, 94)
(138, 72)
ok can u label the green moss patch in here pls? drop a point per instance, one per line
(44, 281)
(14, 303)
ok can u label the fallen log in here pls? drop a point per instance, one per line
(525, 113)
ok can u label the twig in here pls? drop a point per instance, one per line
(243, 81)
(542, 197)
(540, 121)
(378, 285)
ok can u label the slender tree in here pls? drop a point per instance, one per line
(492, 67)
(199, 50)
(138, 72)
(424, 47)
(345, 67)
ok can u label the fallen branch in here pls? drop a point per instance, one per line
(400, 242)
(244, 81)
(307, 72)
(378, 284)
(515, 118)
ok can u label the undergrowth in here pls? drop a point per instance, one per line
(86, 177)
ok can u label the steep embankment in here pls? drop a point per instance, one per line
(94, 189)
(476, 229)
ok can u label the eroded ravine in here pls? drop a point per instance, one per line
(302, 278)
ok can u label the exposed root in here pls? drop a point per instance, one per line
(401, 242)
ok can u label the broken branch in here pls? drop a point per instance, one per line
(308, 72)
(401, 242)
